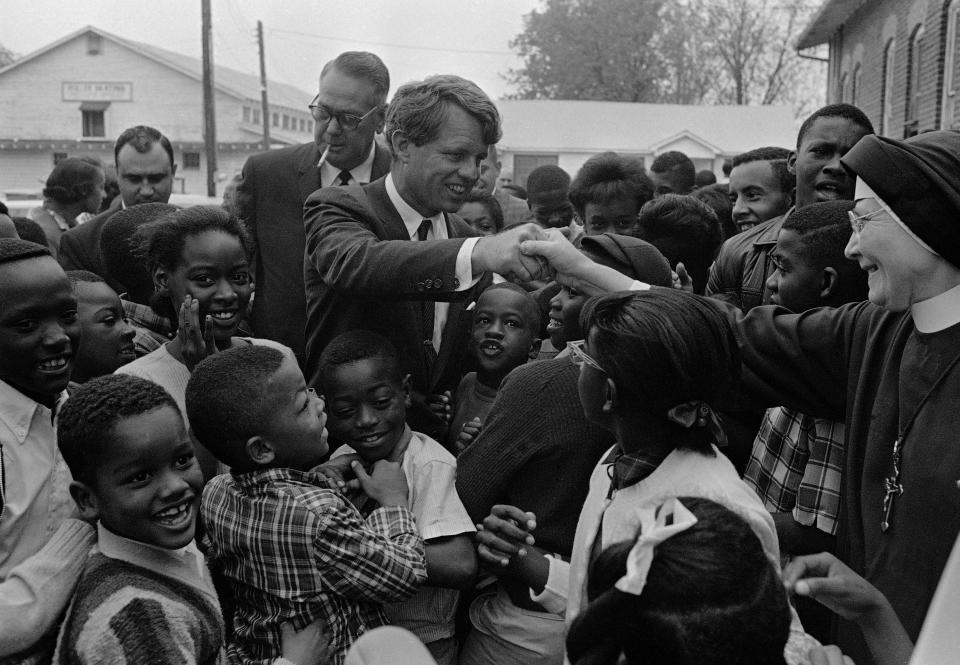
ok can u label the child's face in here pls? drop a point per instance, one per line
(107, 337)
(796, 284)
(296, 431)
(148, 487)
(476, 215)
(618, 215)
(213, 269)
(39, 329)
(820, 176)
(552, 210)
(368, 406)
(756, 195)
(565, 309)
(502, 335)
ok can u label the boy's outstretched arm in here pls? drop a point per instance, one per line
(380, 559)
(826, 579)
(451, 562)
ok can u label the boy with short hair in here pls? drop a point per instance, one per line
(761, 186)
(548, 187)
(368, 397)
(145, 593)
(506, 321)
(39, 337)
(107, 337)
(672, 173)
(291, 545)
(796, 464)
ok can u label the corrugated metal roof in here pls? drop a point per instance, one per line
(575, 126)
(831, 15)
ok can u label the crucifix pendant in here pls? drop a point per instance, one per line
(891, 487)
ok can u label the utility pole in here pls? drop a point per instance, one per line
(209, 112)
(264, 106)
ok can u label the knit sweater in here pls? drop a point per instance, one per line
(142, 605)
(536, 452)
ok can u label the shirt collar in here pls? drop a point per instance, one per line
(145, 317)
(188, 560)
(937, 313)
(628, 469)
(411, 218)
(17, 410)
(361, 173)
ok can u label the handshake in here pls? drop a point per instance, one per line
(525, 253)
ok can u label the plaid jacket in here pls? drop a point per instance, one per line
(293, 548)
(796, 465)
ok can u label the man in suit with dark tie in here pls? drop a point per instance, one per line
(392, 258)
(348, 111)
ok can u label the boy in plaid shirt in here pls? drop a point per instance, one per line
(797, 461)
(291, 545)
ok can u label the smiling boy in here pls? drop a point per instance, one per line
(368, 397)
(108, 339)
(39, 335)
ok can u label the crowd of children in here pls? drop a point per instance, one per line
(603, 488)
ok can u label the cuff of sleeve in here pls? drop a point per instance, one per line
(282, 661)
(392, 521)
(465, 274)
(637, 285)
(554, 595)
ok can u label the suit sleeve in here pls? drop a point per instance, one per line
(247, 200)
(71, 254)
(724, 280)
(346, 246)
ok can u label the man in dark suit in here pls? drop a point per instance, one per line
(145, 170)
(390, 257)
(348, 112)
(515, 211)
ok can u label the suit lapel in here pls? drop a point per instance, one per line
(384, 211)
(309, 173)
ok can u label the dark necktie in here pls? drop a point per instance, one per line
(343, 178)
(427, 307)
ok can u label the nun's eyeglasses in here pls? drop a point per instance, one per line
(857, 222)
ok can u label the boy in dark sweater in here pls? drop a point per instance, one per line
(504, 336)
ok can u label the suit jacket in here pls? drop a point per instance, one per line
(271, 195)
(515, 211)
(358, 276)
(80, 246)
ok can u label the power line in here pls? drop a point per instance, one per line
(391, 45)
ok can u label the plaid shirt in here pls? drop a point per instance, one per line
(151, 331)
(626, 469)
(796, 465)
(293, 548)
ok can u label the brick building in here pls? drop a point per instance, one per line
(898, 60)
(73, 98)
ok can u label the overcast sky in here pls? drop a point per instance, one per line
(415, 38)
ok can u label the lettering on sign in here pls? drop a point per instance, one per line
(105, 91)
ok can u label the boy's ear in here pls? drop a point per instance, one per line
(260, 451)
(610, 399)
(86, 500)
(534, 348)
(792, 162)
(160, 281)
(405, 388)
(829, 282)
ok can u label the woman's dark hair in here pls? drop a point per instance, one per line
(160, 244)
(72, 180)
(712, 597)
(609, 176)
(663, 347)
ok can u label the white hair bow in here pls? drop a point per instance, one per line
(656, 525)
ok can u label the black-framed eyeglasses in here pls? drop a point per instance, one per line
(579, 357)
(857, 222)
(323, 114)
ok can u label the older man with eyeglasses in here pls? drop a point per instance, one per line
(348, 111)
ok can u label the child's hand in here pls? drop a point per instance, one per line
(196, 341)
(440, 406)
(828, 655)
(387, 485)
(827, 580)
(339, 469)
(504, 534)
(682, 279)
(310, 646)
(467, 434)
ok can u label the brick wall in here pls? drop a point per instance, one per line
(863, 39)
